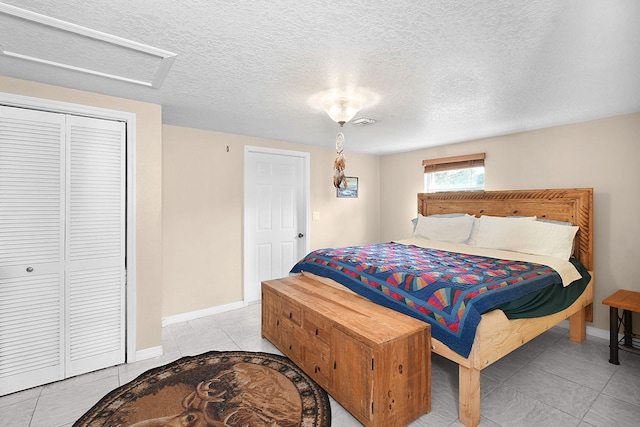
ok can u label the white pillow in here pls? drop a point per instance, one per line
(532, 237)
(414, 221)
(476, 225)
(444, 229)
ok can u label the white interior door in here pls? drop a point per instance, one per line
(276, 215)
(31, 248)
(95, 244)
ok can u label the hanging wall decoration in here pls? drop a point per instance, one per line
(339, 164)
(350, 188)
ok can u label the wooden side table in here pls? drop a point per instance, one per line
(629, 302)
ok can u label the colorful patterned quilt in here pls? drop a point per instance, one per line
(448, 290)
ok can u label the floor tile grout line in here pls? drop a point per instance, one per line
(541, 403)
(577, 384)
(35, 407)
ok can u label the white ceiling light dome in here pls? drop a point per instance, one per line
(341, 110)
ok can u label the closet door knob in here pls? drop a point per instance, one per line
(29, 269)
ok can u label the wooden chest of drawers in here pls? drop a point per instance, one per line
(374, 361)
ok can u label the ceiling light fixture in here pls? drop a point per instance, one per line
(341, 111)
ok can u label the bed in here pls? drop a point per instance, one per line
(495, 334)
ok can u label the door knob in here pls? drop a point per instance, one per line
(29, 269)
(300, 235)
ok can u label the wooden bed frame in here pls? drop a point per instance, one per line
(496, 335)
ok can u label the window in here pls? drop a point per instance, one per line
(459, 173)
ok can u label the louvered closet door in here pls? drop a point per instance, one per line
(62, 246)
(95, 244)
(32, 207)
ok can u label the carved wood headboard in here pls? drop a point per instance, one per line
(573, 205)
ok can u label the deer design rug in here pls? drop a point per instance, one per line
(217, 389)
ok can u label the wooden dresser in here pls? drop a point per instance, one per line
(375, 362)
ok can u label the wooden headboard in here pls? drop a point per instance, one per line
(573, 205)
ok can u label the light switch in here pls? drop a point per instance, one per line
(316, 216)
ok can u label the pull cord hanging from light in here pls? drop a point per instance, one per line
(341, 111)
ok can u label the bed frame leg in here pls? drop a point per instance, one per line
(578, 326)
(469, 384)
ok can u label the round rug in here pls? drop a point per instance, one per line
(218, 389)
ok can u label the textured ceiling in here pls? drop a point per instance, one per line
(437, 72)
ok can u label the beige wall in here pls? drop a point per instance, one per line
(203, 212)
(178, 256)
(602, 154)
(148, 193)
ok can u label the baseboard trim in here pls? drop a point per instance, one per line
(147, 353)
(183, 317)
(591, 331)
(151, 352)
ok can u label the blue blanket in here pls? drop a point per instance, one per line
(448, 290)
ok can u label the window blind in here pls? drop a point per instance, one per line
(455, 162)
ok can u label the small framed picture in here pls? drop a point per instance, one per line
(351, 190)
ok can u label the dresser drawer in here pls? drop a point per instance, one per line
(317, 325)
(291, 340)
(317, 360)
(290, 310)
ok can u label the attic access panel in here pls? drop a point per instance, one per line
(61, 44)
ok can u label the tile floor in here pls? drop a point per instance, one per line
(548, 382)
